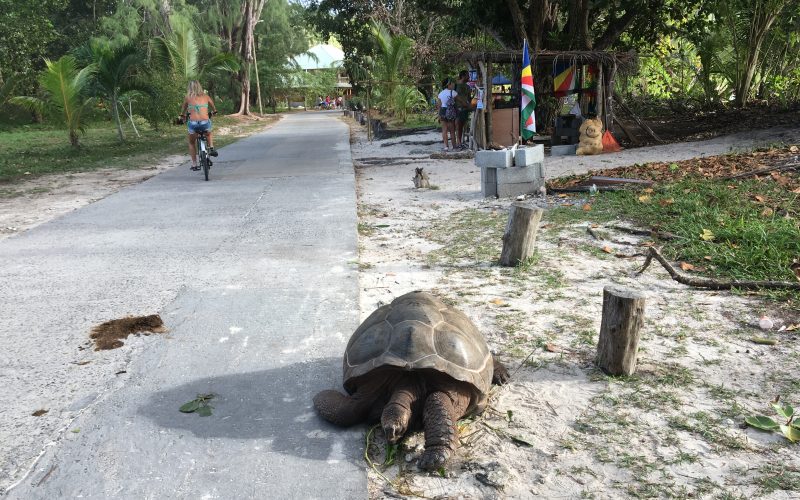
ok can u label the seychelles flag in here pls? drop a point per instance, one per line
(527, 116)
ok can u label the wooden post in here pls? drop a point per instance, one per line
(489, 105)
(519, 240)
(623, 316)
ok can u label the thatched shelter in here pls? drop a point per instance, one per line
(604, 68)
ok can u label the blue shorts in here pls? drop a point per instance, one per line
(199, 126)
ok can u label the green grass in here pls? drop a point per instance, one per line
(34, 150)
(748, 243)
(469, 236)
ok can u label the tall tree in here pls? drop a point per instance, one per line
(251, 14)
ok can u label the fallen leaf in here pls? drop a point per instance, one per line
(553, 348)
(647, 244)
(759, 198)
(793, 149)
(686, 266)
(648, 190)
(644, 198)
(546, 226)
(730, 186)
(666, 201)
(707, 235)
(796, 190)
(767, 212)
(792, 328)
(708, 257)
(608, 249)
(587, 207)
(497, 302)
(562, 195)
(391, 274)
(39, 413)
(594, 226)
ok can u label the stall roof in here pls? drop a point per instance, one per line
(322, 56)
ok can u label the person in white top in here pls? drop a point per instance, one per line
(445, 99)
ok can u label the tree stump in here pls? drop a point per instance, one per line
(519, 240)
(623, 317)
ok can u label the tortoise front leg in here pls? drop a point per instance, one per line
(399, 410)
(443, 408)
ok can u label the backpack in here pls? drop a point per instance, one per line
(451, 113)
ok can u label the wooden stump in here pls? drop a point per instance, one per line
(623, 316)
(519, 240)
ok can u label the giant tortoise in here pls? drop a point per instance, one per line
(416, 360)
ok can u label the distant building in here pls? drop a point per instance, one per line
(324, 57)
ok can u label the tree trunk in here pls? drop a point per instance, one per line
(251, 12)
(115, 114)
(763, 18)
(578, 25)
(623, 317)
(519, 240)
(73, 138)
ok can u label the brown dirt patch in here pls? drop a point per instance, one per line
(109, 335)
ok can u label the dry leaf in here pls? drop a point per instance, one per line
(593, 226)
(666, 201)
(644, 198)
(607, 249)
(792, 328)
(648, 190)
(707, 235)
(759, 198)
(587, 207)
(686, 266)
(708, 257)
(562, 195)
(391, 274)
(546, 226)
(793, 149)
(497, 302)
(767, 212)
(796, 190)
(553, 348)
(647, 244)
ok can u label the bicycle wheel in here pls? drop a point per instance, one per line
(204, 163)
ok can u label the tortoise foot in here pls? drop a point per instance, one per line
(434, 458)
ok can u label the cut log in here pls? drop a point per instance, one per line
(519, 240)
(623, 317)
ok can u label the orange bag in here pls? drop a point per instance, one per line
(610, 145)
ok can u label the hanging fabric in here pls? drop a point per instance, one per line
(564, 78)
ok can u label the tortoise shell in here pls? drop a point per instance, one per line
(417, 331)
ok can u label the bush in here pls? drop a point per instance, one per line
(163, 104)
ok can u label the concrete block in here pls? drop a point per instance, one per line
(529, 155)
(516, 189)
(488, 182)
(496, 159)
(515, 175)
(564, 150)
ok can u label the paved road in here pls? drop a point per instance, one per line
(255, 275)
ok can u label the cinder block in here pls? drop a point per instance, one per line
(516, 189)
(515, 175)
(564, 150)
(496, 159)
(529, 155)
(488, 181)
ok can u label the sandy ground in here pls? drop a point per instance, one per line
(561, 429)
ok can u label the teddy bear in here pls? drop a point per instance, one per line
(591, 140)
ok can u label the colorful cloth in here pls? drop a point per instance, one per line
(564, 78)
(527, 116)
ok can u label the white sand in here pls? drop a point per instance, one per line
(673, 431)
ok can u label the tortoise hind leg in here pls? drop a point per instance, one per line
(443, 408)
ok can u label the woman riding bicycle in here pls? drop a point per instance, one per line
(199, 106)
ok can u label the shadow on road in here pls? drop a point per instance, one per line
(272, 405)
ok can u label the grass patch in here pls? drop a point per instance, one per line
(34, 150)
(778, 477)
(709, 428)
(467, 237)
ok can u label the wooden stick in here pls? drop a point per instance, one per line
(710, 283)
(645, 232)
(781, 168)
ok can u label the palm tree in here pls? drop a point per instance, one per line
(64, 87)
(179, 51)
(393, 57)
(112, 76)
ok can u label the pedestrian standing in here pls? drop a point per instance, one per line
(464, 102)
(448, 112)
